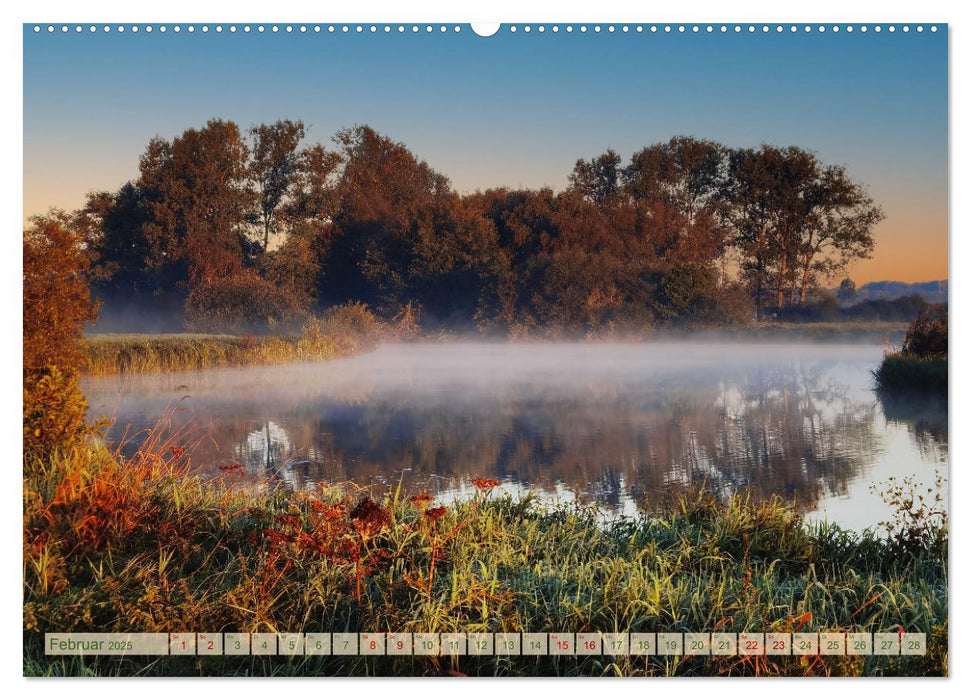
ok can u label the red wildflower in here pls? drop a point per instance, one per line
(277, 538)
(231, 467)
(485, 485)
(434, 514)
(369, 518)
(421, 499)
(177, 452)
(289, 520)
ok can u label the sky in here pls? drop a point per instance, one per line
(513, 109)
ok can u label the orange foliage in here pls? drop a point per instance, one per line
(57, 306)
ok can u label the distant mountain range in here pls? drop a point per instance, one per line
(932, 292)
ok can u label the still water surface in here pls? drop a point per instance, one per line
(610, 423)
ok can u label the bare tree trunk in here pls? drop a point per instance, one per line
(780, 292)
(804, 289)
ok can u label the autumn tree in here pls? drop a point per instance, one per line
(197, 188)
(654, 241)
(751, 217)
(678, 188)
(598, 179)
(113, 230)
(315, 187)
(795, 220)
(295, 265)
(274, 167)
(57, 307)
(838, 228)
(387, 201)
(847, 291)
(525, 225)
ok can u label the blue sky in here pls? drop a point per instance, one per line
(512, 109)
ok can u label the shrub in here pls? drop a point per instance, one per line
(57, 306)
(54, 410)
(406, 325)
(240, 304)
(921, 364)
(353, 318)
(927, 335)
(899, 371)
(688, 294)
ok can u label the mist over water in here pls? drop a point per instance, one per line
(608, 423)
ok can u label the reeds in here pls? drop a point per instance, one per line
(137, 545)
(125, 354)
(902, 372)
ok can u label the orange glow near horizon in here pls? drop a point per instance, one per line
(910, 246)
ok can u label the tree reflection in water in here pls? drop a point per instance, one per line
(619, 434)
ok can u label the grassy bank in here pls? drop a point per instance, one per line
(340, 331)
(141, 353)
(140, 547)
(131, 353)
(921, 363)
(887, 332)
(902, 372)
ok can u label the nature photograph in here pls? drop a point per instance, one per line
(586, 350)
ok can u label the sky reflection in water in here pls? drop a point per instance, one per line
(611, 423)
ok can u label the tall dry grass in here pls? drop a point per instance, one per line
(138, 544)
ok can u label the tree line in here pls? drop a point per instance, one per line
(251, 230)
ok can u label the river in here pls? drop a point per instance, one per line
(615, 424)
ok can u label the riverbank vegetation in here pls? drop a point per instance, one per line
(341, 331)
(112, 545)
(128, 353)
(921, 363)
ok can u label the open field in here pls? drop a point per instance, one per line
(138, 546)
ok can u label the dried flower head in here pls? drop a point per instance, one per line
(369, 518)
(420, 500)
(434, 514)
(485, 485)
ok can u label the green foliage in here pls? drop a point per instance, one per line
(898, 371)
(921, 364)
(688, 294)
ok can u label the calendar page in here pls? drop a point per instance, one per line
(573, 349)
